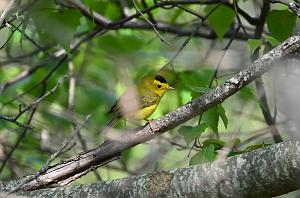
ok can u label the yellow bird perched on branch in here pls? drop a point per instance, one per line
(140, 102)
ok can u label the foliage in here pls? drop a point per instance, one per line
(104, 64)
(217, 21)
(281, 18)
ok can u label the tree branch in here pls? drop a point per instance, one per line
(33, 105)
(101, 20)
(127, 22)
(201, 32)
(271, 171)
(162, 4)
(6, 11)
(113, 148)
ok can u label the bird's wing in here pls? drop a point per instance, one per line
(115, 108)
(147, 101)
(144, 101)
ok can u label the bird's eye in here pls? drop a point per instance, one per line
(158, 86)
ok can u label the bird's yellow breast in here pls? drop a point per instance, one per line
(141, 114)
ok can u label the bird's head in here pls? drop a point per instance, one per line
(159, 85)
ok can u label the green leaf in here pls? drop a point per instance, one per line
(120, 43)
(221, 19)
(190, 80)
(222, 114)
(197, 81)
(126, 155)
(191, 133)
(4, 34)
(211, 117)
(24, 25)
(281, 23)
(273, 41)
(109, 9)
(254, 44)
(176, 15)
(206, 155)
(216, 142)
(113, 11)
(201, 90)
(59, 120)
(53, 25)
(246, 93)
(235, 142)
(255, 146)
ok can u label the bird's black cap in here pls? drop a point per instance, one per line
(160, 79)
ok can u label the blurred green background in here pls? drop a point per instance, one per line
(105, 65)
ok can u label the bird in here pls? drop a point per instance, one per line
(139, 102)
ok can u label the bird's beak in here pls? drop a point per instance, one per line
(171, 88)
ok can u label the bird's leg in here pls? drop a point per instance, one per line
(149, 122)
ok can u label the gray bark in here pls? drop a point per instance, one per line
(266, 172)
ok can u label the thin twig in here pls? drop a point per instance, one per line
(10, 36)
(6, 11)
(235, 4)
(153, 26)
(33, 105)
(19, 13)
(124, 8)
(187, 40)
(260, 89)
(23, 75)
(151, 17)
(191, 12)
(23, 134)
(42, 49)
(72, 85)
(68, 143)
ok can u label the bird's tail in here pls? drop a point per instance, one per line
(109, 125)
(112, 122)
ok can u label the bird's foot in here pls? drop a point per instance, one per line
(148, 122)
